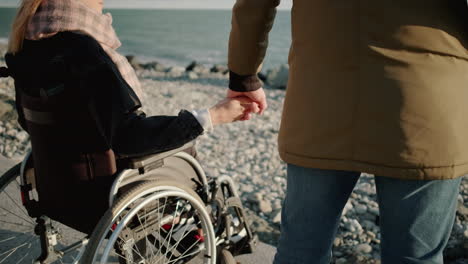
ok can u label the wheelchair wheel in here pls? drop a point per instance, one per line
(18, 240)
(154, 222)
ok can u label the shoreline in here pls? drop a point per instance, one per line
(273, 78)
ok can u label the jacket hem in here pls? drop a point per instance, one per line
(423, 173)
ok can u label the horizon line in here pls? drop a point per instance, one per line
(160, 8)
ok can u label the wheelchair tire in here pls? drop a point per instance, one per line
(19, 241)
(113, 236)
(15, 221)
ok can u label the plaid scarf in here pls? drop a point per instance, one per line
(55, 16)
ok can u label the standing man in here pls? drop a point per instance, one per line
(375, 86)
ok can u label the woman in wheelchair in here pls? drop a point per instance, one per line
(79, 101)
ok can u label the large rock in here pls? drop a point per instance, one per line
(175, 72)
(219, 68)
(278, 77)
(134, 62)
(197, 68)
(156, 66)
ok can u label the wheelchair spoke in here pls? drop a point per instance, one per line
(15, 202)
(172, 248)
(183, 254)
(184, 234)
(20, 261)
(26, 220)
(137, 251)
(159, 228)
(168, 234)
(144, 229)
(172, 225)
(12, 223)
(182, 238)
(13, 250)
(121, 256)
(13, 237)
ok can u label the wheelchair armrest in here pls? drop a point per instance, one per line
(146, 161)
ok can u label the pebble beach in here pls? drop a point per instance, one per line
(247, 152)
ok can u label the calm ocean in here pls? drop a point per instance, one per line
(176, 37)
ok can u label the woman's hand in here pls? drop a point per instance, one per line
(232, 109)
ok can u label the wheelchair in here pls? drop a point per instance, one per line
(162, 209)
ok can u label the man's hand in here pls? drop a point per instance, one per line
(257, 96)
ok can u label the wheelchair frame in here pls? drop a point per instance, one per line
(136, 171)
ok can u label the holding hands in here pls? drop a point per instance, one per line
(238, 106)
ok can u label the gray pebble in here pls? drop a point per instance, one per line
(363, 249)
(360, 208)
(341, 261)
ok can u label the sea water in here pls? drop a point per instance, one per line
(177, 37)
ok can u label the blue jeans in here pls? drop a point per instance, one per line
(416, 217)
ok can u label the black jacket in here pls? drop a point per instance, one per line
(78, 64)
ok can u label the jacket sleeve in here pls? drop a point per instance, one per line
(113, 105)
(140, 135)
(128, 131)
(252, 20)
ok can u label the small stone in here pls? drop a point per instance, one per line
(341, 261)
(247, 188)
(369, 225)
(337, 242)
(22, 136)
(277, 204)
(363, 248)
(360, 208)
(258, 196)
(11, 132)
(348, 207)
(265, 206)
(277, 218)
(349, 227)
(371, 234)
(462, 209)
(373, 210)
(353, 226)
(192, 75)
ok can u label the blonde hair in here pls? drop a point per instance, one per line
(20, 24)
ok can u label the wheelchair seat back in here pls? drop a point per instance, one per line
(73, 169)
